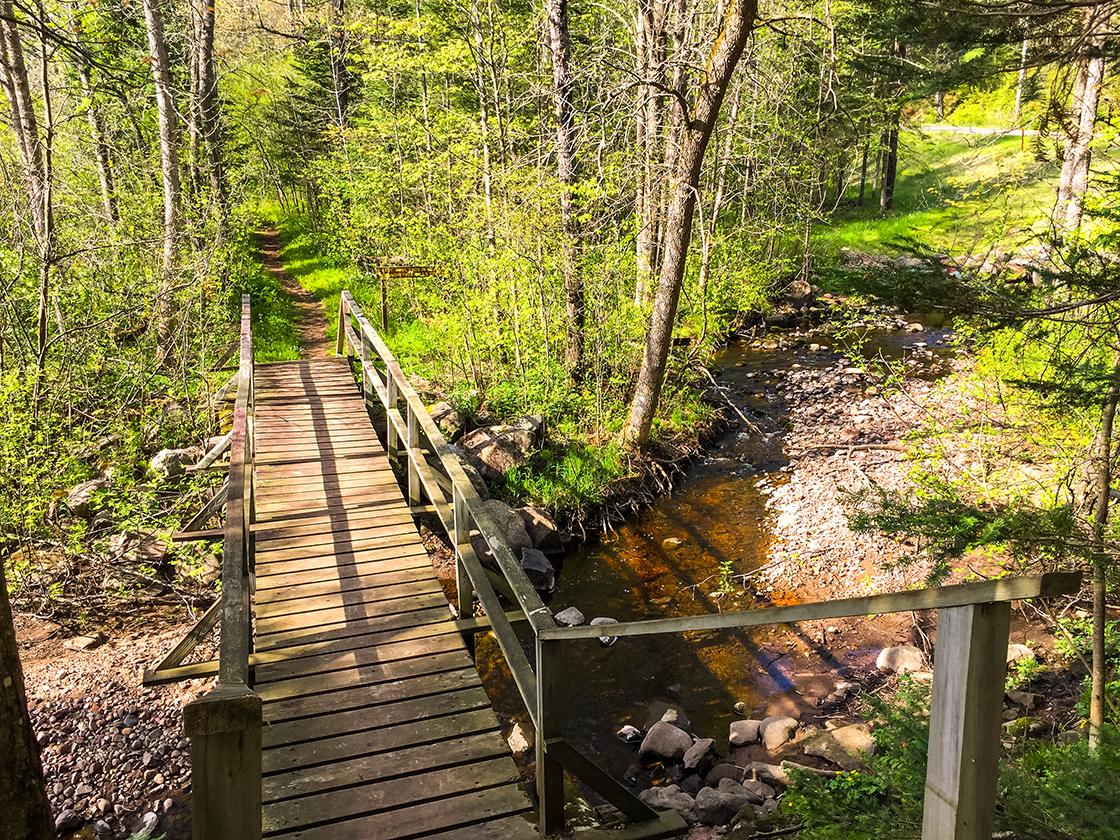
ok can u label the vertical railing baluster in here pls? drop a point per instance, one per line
(550, 774)
(414, 497)
(462, 535)
(392, 439)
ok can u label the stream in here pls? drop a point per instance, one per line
(693, 552)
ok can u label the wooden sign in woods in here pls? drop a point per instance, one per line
(400, 272)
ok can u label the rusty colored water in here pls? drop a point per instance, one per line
(678, 557)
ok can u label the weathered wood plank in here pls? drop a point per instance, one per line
(424, 819)
(439, 744)
(357, 657)
(380, 727)
(405, 559)
(365, 675)
(389, 794)
(313, 533)
(355, 612)
(312, 705)
(320, 633)
(522, 827)
(277, 592)
(384, 540)
(406, 597)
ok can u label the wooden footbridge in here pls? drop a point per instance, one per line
(347, 705)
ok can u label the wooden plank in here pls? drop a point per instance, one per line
(382, 500)
(311, 705)
(1007, 589)
(520, 827)
(357, 657)
(440, 743)
(381, 727)
(292, 655)
(353, 612)
(343, 540)
(349, 598)
(391, 582)
(424, 819)
(396, 537)
(193, 536)
(364, 675)
(343, 520)
(217, 502)
(318, 567)
(319, 633)
(388, 794)
(356, 500)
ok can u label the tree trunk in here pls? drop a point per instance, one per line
(566, 164)
(1022, 80)
(890, 166)
(863, 172)
(340, 80)
(1086, 97)
(648, 206)
(102, 155)
(25, 812)
(1102, 467)
(717, 199)
(737, 25)
(169, 168)
(483, 123)
(208, 108)
(17, 87)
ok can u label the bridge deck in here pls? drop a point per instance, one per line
(376, 723)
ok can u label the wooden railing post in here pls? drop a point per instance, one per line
(224, 727)
(367, 372)
(392, 439)
(413, 444)
(340, 345)
(464, 589)
(550, 774)
(965, 719)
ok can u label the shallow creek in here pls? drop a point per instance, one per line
(693, 552)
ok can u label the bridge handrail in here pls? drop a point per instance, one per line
(224, 724)
(968, 682)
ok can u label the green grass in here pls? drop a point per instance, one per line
(958, 194)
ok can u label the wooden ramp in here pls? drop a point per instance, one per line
(376, 725)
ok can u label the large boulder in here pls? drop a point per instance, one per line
(450, 421)
(538, 570)
(508, 525)
(570, 617)
(665, 743)
(498, 449)
(776, 731)
(845, 746)
(670, 798)
(80, 497)
(542, 530)
(744, 732)
(903, 659)
(171, 463)
(718, 806)
(534, 425)
(723, 771)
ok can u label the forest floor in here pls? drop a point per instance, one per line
(114, 751)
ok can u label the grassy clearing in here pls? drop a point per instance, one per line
(955, 193)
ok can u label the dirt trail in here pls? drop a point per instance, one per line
(310, 320)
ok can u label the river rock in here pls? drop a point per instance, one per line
(721, 772)
(700, 755)
(571, 617)
(692, 784)
(744, 732)
(533, 424)
(901, 659)
(450, 420)
(718, 806)
(519, 741)
(538, 570)
(771, 774)
(668, 712)
(845, 746)
(498, 449)
(605, 641)
(79, 498)
(665, 743)
(760, 789)
(171, 463)
(1025, 699)
(776, 731)
(542, 530)
(670, 798)
(508, 524)
(68, 820)
(1019, 653)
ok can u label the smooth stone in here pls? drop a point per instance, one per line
(670, 798)
(699, 756)
(845, 746)
(901, 659)
(776, 731)
(571, 617)
(744, 732)
(665, 743)
(605, 641)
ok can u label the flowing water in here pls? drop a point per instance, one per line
(680, 557)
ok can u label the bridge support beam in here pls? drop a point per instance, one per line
(965, 719)
(224, 727)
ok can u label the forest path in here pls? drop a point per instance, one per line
(310, 320)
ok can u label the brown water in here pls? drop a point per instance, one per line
(679, 557)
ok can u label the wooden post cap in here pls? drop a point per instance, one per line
(227, 708)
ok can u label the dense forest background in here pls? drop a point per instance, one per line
(605, 192)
